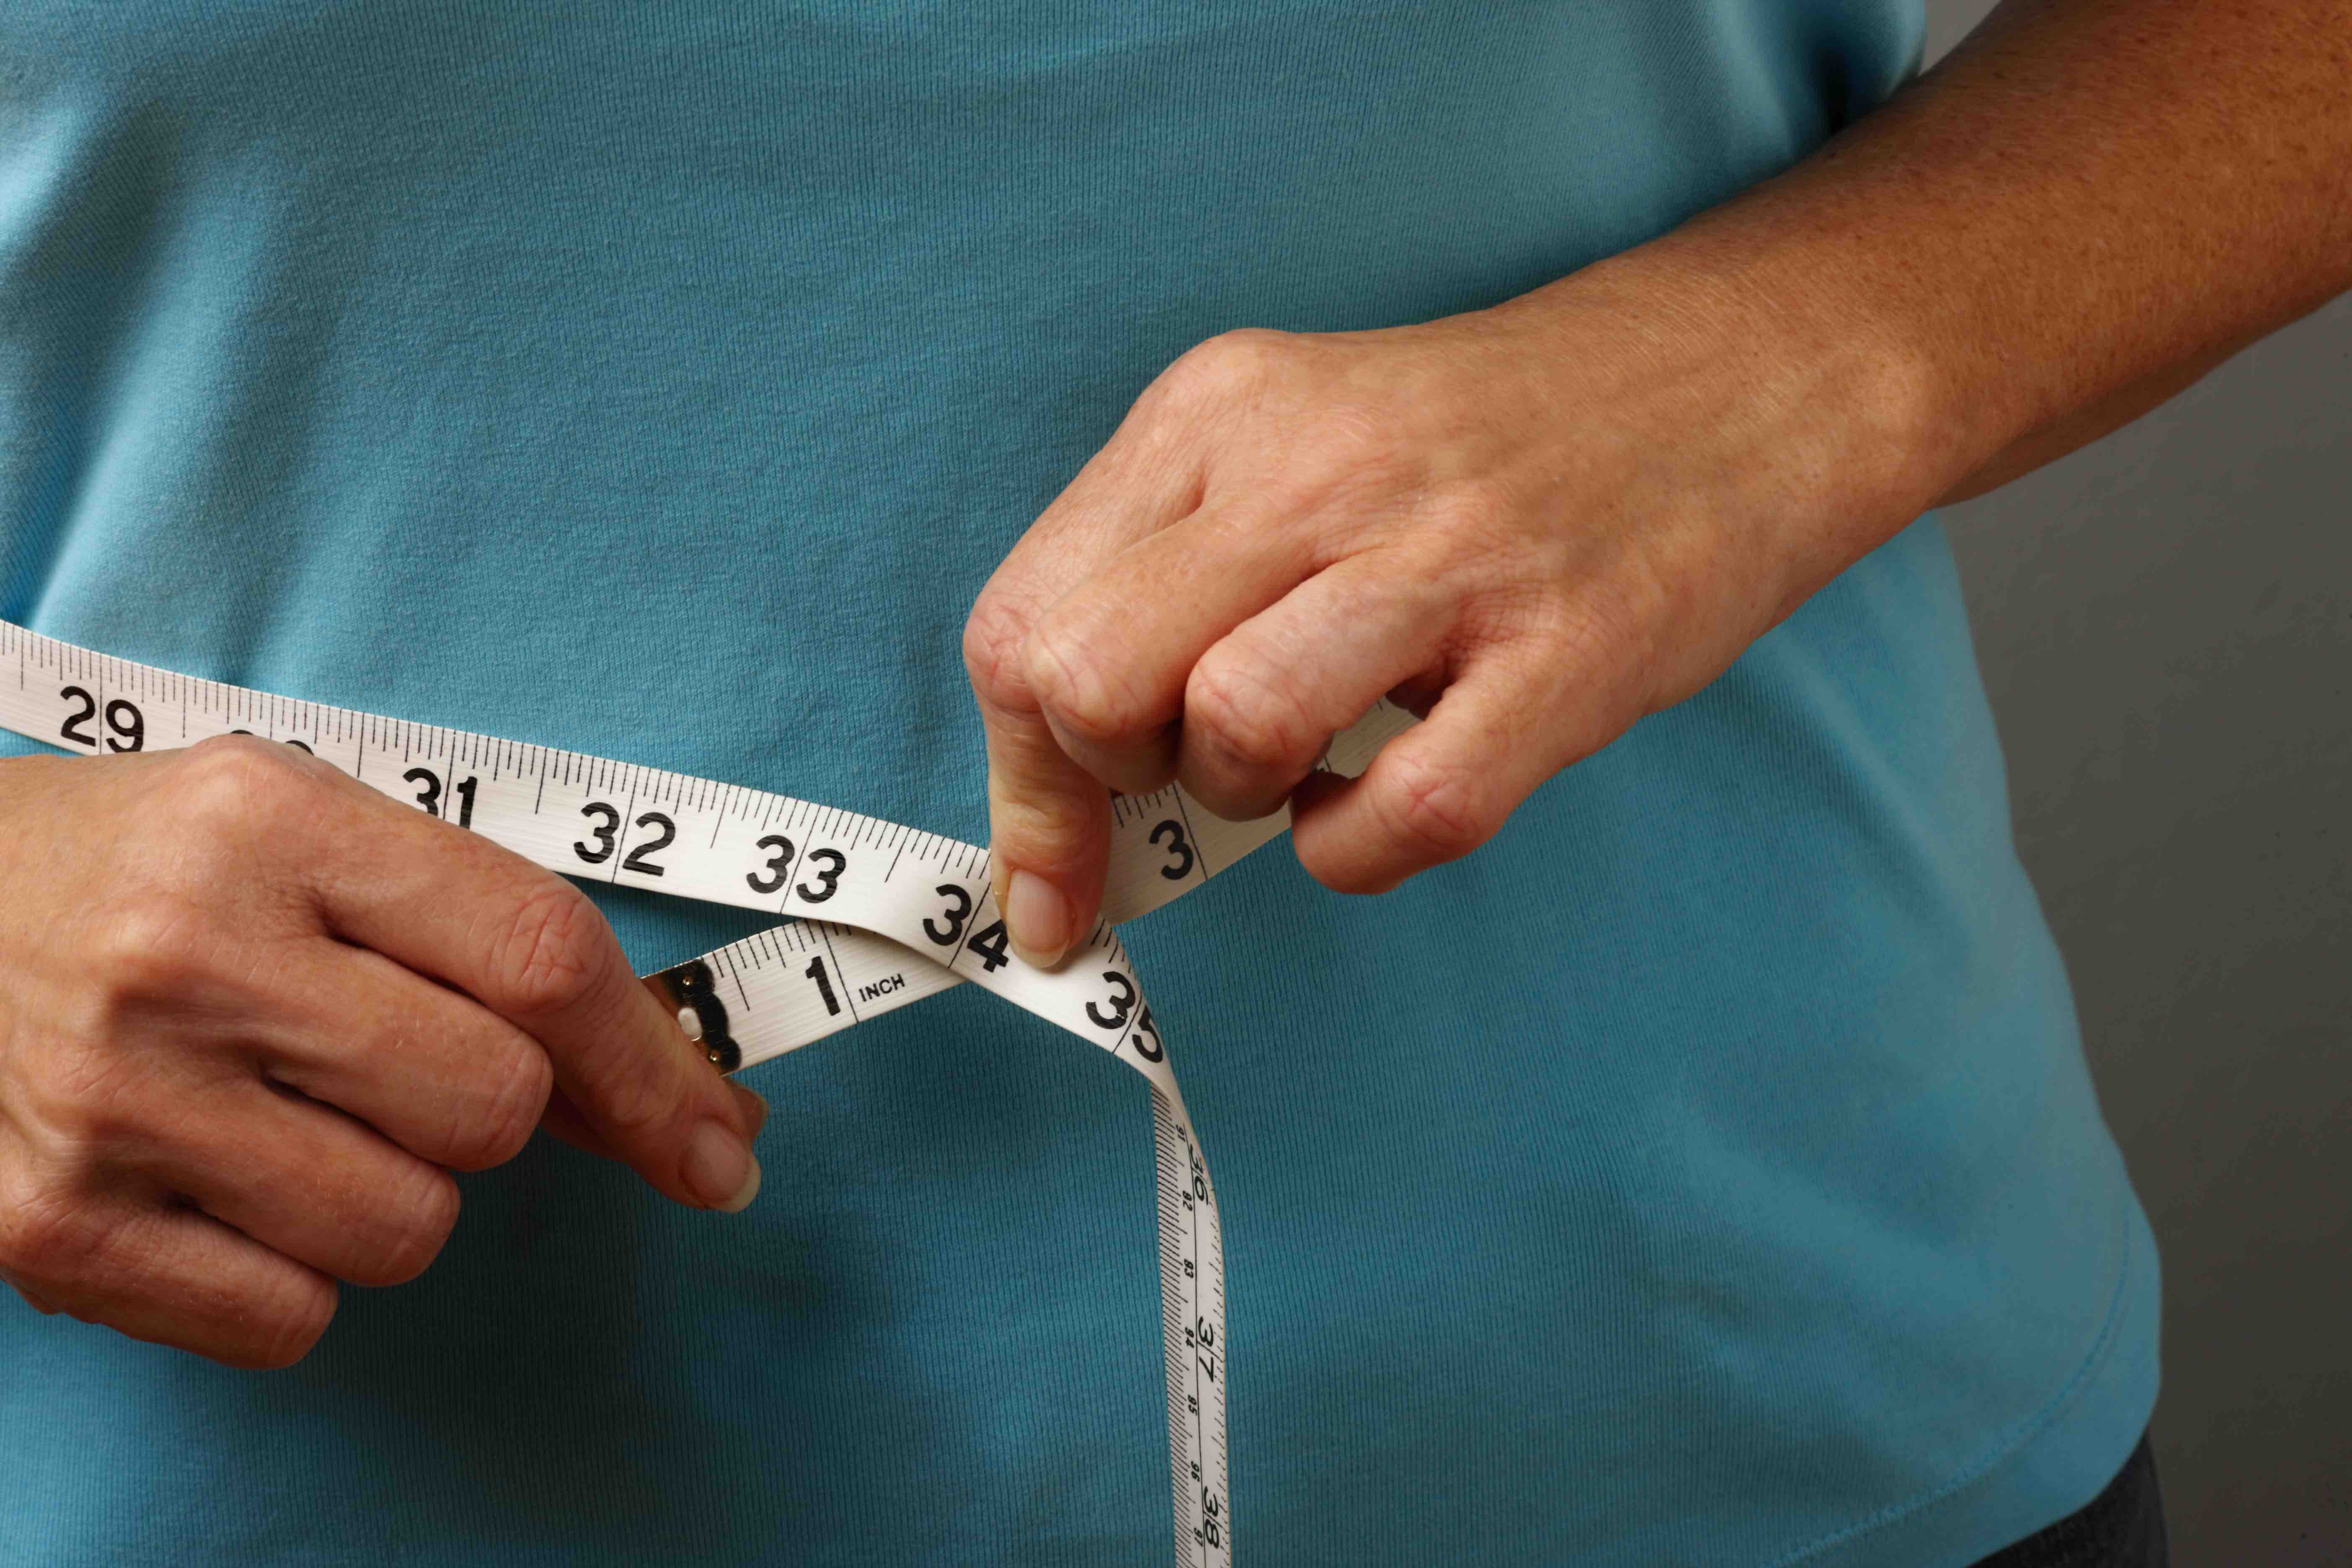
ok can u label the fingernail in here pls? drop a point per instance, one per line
(1037, 919)
(721, 1169)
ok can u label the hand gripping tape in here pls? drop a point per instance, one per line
(885, 915)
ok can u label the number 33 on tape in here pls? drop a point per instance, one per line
(887, 915)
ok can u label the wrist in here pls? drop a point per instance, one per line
(1822, 422)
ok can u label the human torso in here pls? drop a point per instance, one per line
(662, 381)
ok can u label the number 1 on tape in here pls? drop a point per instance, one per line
(884, 915)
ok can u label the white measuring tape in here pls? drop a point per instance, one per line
(889, 915)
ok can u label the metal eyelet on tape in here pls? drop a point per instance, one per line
(879, 916)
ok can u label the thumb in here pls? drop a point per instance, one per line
(1048, 819)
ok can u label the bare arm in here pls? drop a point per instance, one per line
(1545, 519)
(2080, 211)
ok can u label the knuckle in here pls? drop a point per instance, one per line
(155, 942)
(291, 1324)
(231, 782)
(415, 1225)
(1323, 866)
(1435, 811)
(995, 636)
(48, 1231)
(1328, 867)
(553, 952)
(1089, 694)
(1228, 365)
(32, 1297)
(227, 809)
(493, 1126)
(83, 1100)
(1249, 716)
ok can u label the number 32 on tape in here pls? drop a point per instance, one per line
(886, 915)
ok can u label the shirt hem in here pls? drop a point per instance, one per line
(2063, 1457)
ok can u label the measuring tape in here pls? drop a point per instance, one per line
(887, 915)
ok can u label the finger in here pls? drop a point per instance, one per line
(436, 1072)
(1108, 660)
(1048, 833)
(1261, 706)
(1049, 820)
(1145, 479)
(563, 1119)
(1434, 792)
(303, 1180)
(532, 948)
(33, 1299)
(1115, 699)
(175, 1275)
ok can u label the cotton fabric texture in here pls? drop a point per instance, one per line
(1706, 1171)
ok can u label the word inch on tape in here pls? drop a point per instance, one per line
(880, 915)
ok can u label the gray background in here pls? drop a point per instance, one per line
(2165, 620)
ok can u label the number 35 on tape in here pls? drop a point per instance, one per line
(885, 915)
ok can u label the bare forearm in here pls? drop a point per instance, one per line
(2087, 206)
(1545, 519)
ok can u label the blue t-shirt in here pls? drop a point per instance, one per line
(1706, 1171)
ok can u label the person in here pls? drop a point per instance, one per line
(1687, 1158)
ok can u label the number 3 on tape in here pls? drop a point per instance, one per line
(886, 916)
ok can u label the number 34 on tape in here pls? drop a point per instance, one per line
(887, 915)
